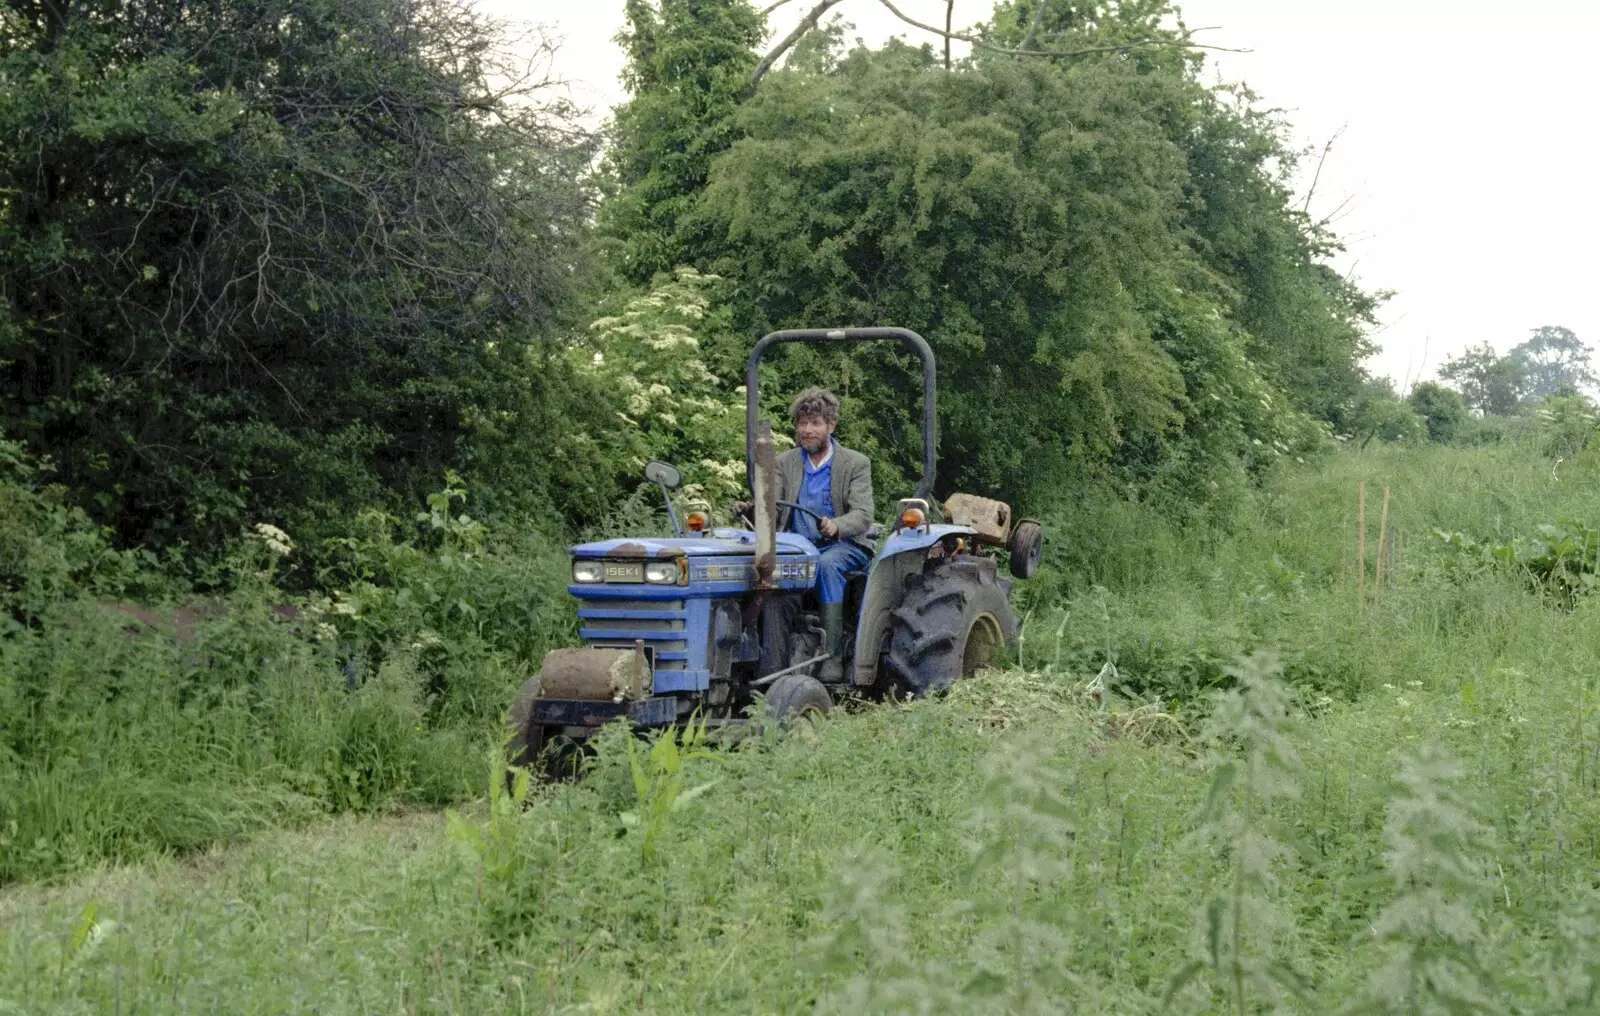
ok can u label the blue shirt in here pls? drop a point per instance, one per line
(816, 493)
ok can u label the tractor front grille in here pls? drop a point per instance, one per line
(617, 624)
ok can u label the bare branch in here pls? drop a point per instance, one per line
(1184, 41)
(774, 7)
(1304, 208)
(806, 24)
(1336, 214)
(949, 18)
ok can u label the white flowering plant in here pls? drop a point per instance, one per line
(669, 404)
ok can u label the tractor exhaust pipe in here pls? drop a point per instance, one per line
(765, 487)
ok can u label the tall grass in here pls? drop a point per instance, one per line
(185, 722)
(1006, 849)
(1399, 815)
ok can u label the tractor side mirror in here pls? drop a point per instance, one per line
(662, 473)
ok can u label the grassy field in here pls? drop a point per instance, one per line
(1294, 800)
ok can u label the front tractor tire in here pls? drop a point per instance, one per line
(795, 697)
(954, 621)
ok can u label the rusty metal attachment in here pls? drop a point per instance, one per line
(765, 488)
(642, 551)
(614, 675)
(991, 519)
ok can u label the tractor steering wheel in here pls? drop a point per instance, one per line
(800, 508)
(790, 505)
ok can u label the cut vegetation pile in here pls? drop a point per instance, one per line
(1290, 796)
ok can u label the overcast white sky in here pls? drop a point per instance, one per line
(1466, 168)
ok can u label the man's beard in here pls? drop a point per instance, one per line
(815, 447)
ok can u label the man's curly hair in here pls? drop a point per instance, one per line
(816, 402)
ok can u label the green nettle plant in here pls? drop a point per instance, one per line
(1018, 895)
(1254, 770)
(1435, 855)
(868, 956)
(1572, 982)
(1021, 836)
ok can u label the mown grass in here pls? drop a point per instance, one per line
(1009, 848)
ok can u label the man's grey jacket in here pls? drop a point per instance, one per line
(851, 490)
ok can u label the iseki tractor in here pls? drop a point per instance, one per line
(714, 621)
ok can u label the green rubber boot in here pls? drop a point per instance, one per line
(832, 639)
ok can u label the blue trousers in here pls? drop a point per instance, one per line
(838, 560)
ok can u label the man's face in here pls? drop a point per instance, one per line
(812, 433)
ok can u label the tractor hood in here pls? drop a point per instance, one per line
(719, 541)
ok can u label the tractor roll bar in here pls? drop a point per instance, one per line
(910, 339)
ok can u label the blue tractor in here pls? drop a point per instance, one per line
(684, 625)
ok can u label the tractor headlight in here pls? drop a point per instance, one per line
(661, 572)
(588, 571)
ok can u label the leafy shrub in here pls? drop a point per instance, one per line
(300, 357)
(471, 606)
(1562, 562)
(49, 550)
(1376, 411)
(1394, 421)
(1441, 409)
(129, 729)
(1496, 430)
(1567, 423)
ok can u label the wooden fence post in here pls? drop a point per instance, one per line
(1383, 541)
(1394, 554)
(1361, 544)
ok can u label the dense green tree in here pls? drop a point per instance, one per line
(689, 64)
(1489, 383)
(1305, 324)
(269, 260)
(1553, 360)
(1441, 408)
(1378, 412)
(1082, 240)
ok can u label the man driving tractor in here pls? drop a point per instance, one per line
(696, 625)
(835, 483)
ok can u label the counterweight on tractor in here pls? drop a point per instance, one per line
(681, 625)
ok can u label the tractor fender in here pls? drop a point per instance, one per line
(900, 556)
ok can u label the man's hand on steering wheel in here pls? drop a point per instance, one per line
(827, 527)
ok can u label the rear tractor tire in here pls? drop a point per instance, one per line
(953, 622)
